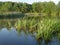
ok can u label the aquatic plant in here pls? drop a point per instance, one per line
(31, 25)
(18, 25)
(46, 28)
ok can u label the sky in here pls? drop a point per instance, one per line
(30, 1)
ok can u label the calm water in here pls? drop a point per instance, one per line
(13, 37)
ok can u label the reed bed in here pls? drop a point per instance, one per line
(44, 28)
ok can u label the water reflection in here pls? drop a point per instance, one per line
(54, 41)
(12, 37)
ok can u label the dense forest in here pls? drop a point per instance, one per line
(44, 8)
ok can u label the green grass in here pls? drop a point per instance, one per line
(45, 28)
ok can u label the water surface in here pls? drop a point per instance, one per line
(13, 37)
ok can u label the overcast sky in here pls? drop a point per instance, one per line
(31, 1)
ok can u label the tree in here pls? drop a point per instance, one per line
(37, 7)
(58, 9)
(49, 8)
(24, 8)
(5, 6)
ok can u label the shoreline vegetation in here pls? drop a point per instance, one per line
(45, 28)
(16, 15)
(38, 8)
(42, 18)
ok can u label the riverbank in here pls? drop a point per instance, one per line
(45, 28)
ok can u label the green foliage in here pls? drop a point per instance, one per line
(37, 7)
(43, 8)
(44, 28)
(18, 25)
(48, 28)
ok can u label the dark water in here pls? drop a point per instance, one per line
(12, 37)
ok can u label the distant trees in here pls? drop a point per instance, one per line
(48, 8)
(44, 7)
(37, 7)
(58, 8)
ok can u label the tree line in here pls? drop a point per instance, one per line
(46, 8)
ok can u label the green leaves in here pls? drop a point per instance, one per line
(48, 28)
(43, 8)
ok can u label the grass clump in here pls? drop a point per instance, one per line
(47, 27)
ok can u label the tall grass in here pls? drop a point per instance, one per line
(44, 28)
(48, 28)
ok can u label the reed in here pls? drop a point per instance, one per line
(47, 27)
(44, 28)
(18, 25)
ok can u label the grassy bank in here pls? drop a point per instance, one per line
(45, 28)
(14, 15)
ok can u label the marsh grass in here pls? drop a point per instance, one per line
(44, 28)
(48, 28)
